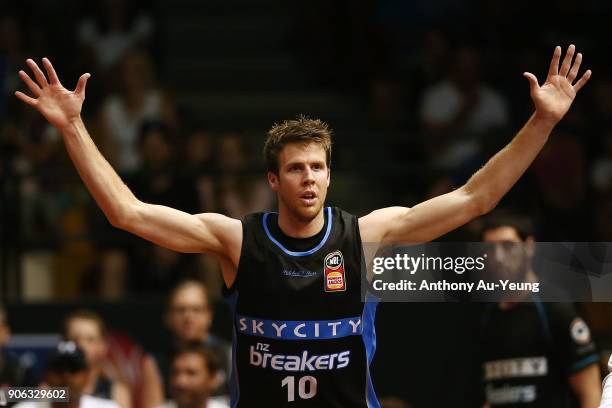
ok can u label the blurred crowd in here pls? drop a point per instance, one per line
(136, 126)
(108, 368)
(442, 78)
(439, 83)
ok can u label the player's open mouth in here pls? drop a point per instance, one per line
(309, 198)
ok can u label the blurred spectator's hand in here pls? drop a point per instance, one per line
(553, 99)
(58, 105)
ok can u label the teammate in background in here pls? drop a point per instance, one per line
(194, 377)
(89, 332)
(189, 316)
(533, 353)
(302, 334)
(67, 367)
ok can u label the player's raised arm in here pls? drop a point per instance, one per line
(433, 218)
(173, 229)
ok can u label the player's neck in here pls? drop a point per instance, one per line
(294, 227)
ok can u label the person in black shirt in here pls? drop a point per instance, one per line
(302, 334)
(533, 354)
(13, 373)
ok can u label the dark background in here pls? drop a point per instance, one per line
(229, 69)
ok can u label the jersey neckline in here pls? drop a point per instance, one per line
(299, 253)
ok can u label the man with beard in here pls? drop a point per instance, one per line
(302, 331)
(532, 354)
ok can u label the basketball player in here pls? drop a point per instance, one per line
(532, 353)
(302, 335)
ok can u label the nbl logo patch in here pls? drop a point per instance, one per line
(580, 331)
(335, 279)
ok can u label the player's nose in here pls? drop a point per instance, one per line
(309, 175)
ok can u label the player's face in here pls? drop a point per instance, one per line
(191, 382)
(86, 334)
(189, 316)
(302, 180)
(511, 255)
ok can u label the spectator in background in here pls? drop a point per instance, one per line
(189, 317)
(157, 178)
(117, 361)
(199, 164)
(194, 377)
(123, 114)
(136, 368)
(239, 192)
(13, 373)
(432, 61)
(458, 110)
(533, 353)
(113, 29)
(88, 331)
(68, 367)
(560, 176)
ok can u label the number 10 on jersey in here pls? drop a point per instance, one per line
(307, 387)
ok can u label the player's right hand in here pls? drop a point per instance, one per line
(58, 105)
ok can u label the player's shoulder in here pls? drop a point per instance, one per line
(218, 220)
(339, 212)
(564, 317)
(559, 310)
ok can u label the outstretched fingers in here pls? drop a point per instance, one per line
(574, 71)
(80, 88)
(583, 80)
(567, 61)
(554, 63)
(32, 86)
(38, 74)
(533, 81)
(53, 79)
(25, 98)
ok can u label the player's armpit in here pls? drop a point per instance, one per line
(422, 223)
(182, 232)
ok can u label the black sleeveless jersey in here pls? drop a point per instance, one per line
(302, 336)
(528, 353)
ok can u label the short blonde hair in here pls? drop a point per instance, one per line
(300, 130)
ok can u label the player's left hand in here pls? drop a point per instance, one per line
(553, 99)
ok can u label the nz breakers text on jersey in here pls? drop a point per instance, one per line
(302, 335)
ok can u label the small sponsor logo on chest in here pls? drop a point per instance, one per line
(333, 268)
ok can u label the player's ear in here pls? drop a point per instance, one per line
(273, 180)
(328, 176)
